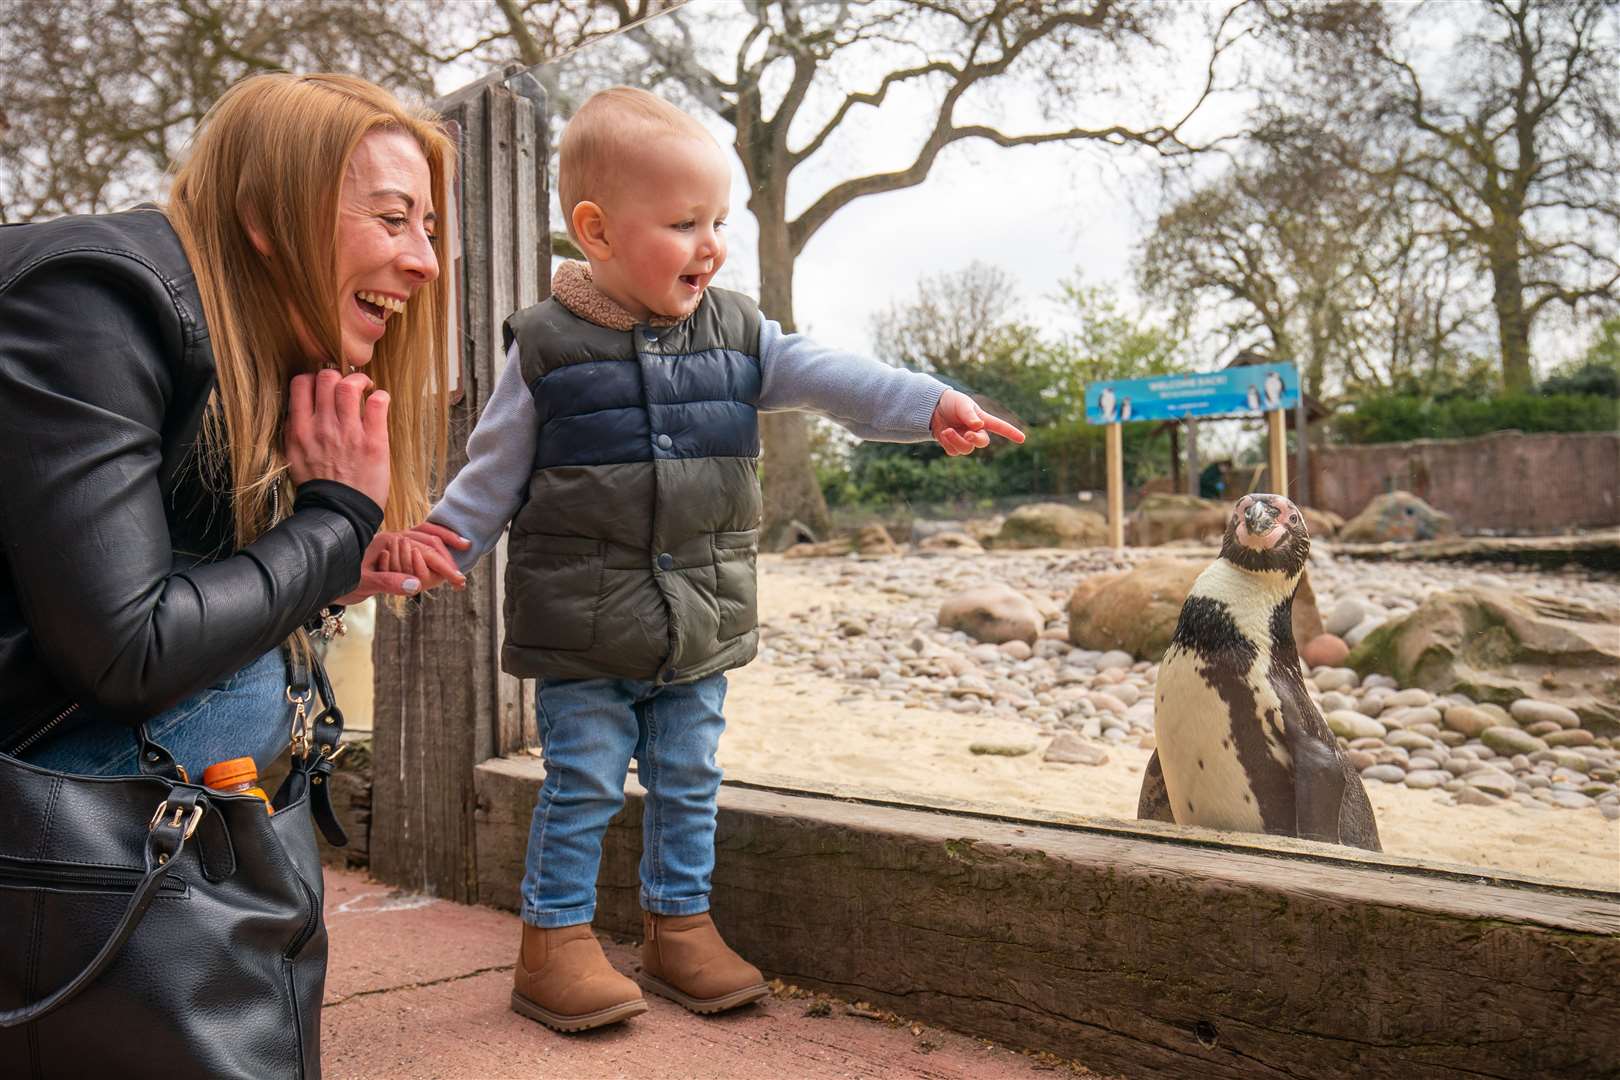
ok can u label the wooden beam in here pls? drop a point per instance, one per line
(1141, 949)
(442, 704)
(1116, 487)
(1278, 446)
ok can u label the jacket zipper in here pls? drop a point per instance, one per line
(45, 729)
(46, 875)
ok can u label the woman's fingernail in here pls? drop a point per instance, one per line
(411, 585)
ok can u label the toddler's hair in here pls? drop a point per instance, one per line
(602, 138)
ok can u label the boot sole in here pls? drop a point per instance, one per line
(704, 1006)
(584, 1021)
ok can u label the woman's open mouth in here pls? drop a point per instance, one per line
(376, 307)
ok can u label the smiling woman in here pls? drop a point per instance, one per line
(207, 410)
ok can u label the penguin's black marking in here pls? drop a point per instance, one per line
(1241, 746)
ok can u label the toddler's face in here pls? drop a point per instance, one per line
(666, 227)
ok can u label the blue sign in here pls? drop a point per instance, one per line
(1236, 391)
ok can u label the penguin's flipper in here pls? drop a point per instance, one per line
(1154, 802)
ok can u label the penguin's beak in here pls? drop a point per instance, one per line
(1260, 528)
(1259, 517)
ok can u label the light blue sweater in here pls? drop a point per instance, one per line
(872, 400)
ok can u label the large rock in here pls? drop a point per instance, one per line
(1160, 519)
(1397, 515)
(959, 542)
(1052, 525)
(993, 614)
(1136, 611)
(875, 540)
(1497, 646)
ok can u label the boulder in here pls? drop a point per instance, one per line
(951, 542)
(1052, 525)
(922, 528)
(1160, 519)
(875, 540)
(993, 614)
(823, 549)
(1397, 516)
(1136, 611)
(1498, 647)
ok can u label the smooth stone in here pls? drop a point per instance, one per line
(1360, 760)
(1333, 699)
(1570, 737)
(1569, 759)
(1468, 796)
(1107, 702)
(1389, 774)
(1114, 659)
(994, 749)
(1391, 755)
(1492, 709)
(1420, 714)
(1376, 681)
(1506, 740)
(1453, 785)
(1344, 617)
(1358, 633)
(1493, 781)
(1468, 719)
(1528, 711)
(1536, 780)
(1419, 764)
(1015, 650)
(1408, 740)
(1353, 725)
(1452, 738)
(1423, 779)
(1129, 693)
(1333, 678)
(1542, 728)
(1067, 748)
(1611, 811)
(1413, 696)
(1325, 650)
(1572, 800)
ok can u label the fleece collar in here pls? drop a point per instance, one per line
(574, 289)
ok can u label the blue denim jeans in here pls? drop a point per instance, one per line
(246, 715)
(589, 731)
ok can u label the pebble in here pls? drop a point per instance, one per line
(1015, 650)
(1345, 616)
(1334, 678)
(1389, 774)
(1493, 781)
(1067, 748)
(1408, 740)
(1475, 797)
(996, 749)
(1115, 659)
(1413, 696)
(1423, 779)
(1353, 725)
(1526, 711)
(1570, 737)
(1511, 740)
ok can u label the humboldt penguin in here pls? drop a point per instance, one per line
(1241, 745)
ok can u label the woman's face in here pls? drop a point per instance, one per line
(386, 221)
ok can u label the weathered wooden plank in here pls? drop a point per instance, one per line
(439, 688)
(1153, 957)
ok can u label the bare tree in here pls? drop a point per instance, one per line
(783, 89)
(1500, 118)
(101, 94)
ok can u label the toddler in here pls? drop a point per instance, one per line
(620, 444)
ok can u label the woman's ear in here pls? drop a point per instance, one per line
(590, 231)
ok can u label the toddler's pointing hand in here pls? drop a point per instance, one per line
(961, 427)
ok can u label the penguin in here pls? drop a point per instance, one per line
(1253, 399)
(1105, 402)
(1241, 745)
(1274, 389)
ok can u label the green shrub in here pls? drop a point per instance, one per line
(1401, 418)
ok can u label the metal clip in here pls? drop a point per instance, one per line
(300, 721)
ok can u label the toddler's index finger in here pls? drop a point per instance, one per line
(1000, 427)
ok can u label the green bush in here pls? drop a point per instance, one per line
(1401, 418)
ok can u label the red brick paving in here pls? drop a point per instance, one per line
(417, 988)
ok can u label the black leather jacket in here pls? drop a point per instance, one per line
(120, 588)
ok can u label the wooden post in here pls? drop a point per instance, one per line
(442, 703)
(1175, 458)
(1279, 452)
(1116, 487)
(1192, 456)
(1302, 482)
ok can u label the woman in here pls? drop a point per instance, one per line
(206, 412)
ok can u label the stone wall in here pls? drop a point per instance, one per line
(1506, 482)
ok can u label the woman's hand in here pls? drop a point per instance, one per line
(961, 427)
(408, 563)
(336, 431)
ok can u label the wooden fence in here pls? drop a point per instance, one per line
(442, 703)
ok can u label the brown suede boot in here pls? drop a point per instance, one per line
(564, 980)
(684, 959)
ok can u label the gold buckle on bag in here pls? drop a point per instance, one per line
(179, 813)
(300, 724)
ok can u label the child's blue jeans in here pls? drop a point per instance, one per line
(589, 731)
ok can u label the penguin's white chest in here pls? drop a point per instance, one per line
(1198, 738)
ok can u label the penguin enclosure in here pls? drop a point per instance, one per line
(939, 817)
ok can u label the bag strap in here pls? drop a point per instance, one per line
(171, 826)
(316, 740)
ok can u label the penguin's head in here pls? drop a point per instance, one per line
(1267, 532)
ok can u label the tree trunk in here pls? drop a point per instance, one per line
(789, 478)
(1513, 326)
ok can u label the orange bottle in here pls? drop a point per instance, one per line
(238, 776)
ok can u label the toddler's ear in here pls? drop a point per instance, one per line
(590, 230)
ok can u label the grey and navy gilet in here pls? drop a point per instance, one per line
(633, 554)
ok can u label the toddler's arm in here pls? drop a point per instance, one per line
(489, 489)
(871, 399)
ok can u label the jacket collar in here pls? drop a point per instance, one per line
(574, 289)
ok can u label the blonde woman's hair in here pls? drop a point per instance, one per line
(272, 152)
(604, 135)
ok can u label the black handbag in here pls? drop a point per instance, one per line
(151, 927)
